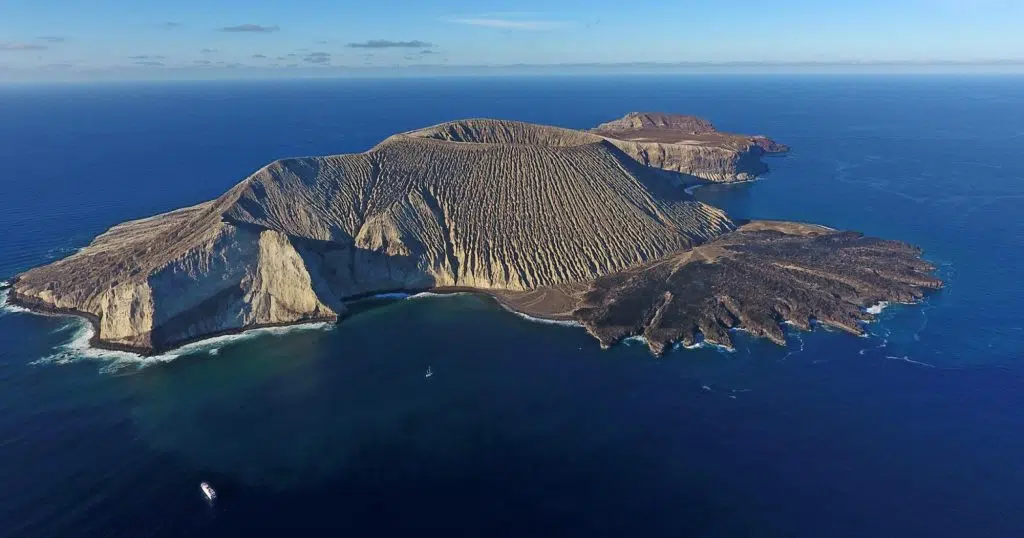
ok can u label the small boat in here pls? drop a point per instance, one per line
(208, 491)
(429, 372)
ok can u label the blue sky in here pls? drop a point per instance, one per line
(42, 39)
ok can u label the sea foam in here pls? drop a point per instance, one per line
(78, 347)
(877, 308)
(6, 308)
(393, 295)
(689, 190)
(527, 317)
(907, 359)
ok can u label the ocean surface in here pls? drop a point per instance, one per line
(526, 429)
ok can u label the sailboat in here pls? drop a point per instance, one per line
(429, 372)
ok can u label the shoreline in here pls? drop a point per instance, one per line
(690, 189)
(37, 307)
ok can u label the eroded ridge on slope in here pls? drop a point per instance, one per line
(490, 205)
(494, 214)
(755, 278)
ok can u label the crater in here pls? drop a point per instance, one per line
(504, 132)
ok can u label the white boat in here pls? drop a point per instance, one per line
(429, 372)
(208, 491)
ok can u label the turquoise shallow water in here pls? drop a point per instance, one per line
(527, 427)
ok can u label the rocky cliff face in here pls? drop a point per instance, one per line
(554, 221)
(689, 145)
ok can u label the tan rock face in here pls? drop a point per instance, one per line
(487, 204)
(689, 145)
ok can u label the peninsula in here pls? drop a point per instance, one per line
(592, 226)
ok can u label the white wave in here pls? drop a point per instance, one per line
(9, 308)
(689, 190)
(62, 252)
(705, 344)
(878, 307)
(395, 295)
(428, 294)
(911, 361)
(563, 323)
(723, 348)
(79, 348)
(885, 342)
(636, 339)
(790, 352)
(924, 324)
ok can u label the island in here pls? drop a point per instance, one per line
(589, 226)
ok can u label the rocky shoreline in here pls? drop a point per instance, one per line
(41, 308)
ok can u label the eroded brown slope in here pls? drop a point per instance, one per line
(755, 278)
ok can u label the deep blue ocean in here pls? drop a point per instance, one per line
(526, 429)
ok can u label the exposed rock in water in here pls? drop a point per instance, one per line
(533, 215)
(755, 278)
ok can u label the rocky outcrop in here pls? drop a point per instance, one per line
(553, 222)
(689, 145)
(761, 275)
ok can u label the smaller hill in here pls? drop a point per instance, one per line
(689, 145)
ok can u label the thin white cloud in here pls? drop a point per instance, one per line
(388, 44)
(251, 29)
(21, 46)
(509, 23)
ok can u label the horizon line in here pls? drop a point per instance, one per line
(129, 73)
